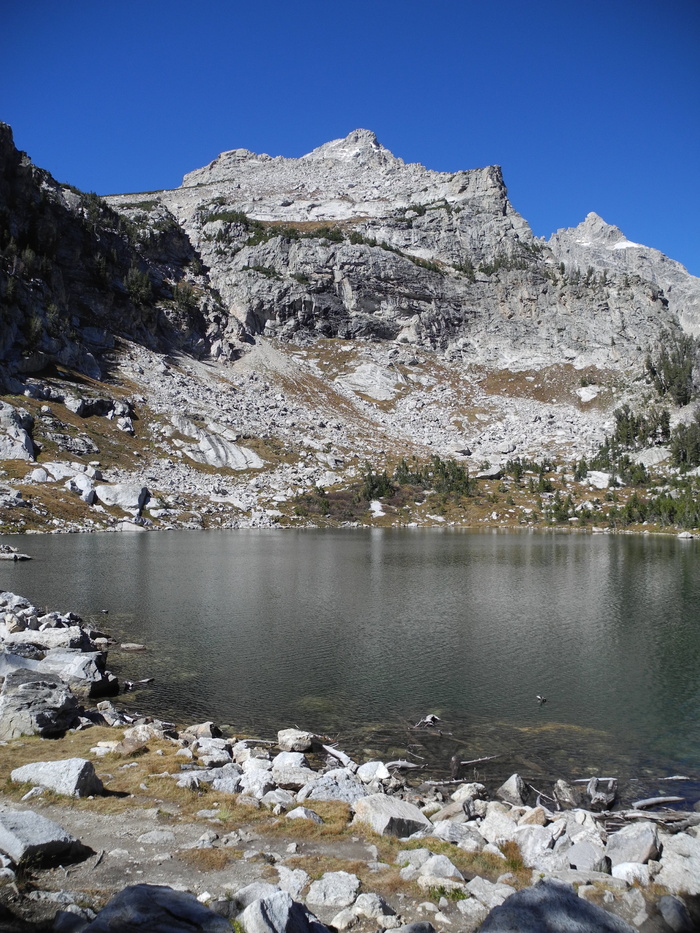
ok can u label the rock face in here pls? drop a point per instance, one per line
(605, 248)
(350, 241)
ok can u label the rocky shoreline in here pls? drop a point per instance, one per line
(291, 834)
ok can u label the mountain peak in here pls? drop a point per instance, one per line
(360, 146)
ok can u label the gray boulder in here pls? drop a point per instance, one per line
(551, 907)
(675, 913)
(490, 894)
(35, 704)
(514, 790)
(27, 836)
(587, 856)
(154, 908)
(278, 913)
(131, 497)
(338, 784)
(294, 740)
(74, 777)
(334, 889)
(680, 864)
(303, 813)
(390, 816)
(15, 442)
(636, 843)
(246, 896)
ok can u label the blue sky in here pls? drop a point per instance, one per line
(587, 106)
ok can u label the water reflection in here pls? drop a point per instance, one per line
(363, 632)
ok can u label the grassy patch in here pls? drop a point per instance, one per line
(209, 859)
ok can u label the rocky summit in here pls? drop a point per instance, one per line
(271, 341)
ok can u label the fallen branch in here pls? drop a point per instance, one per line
(541, 793)
(344, 759)
(656, 802)
(402, 764)
(477, 761)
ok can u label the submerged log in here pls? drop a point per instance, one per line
(656, 802)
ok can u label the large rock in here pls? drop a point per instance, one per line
(278, 913)
(15, 442)
(680, 864)
(153, 908)
(294, 740)
(335, 889)
(131, 497)
(514, 790)
(636, 843)
(74, 777)
(35, 704)
(26, 836)
(338, 784)
(390, 816)
(216, 447)
(551, 907)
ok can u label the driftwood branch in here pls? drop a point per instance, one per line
(477, 761)
(344, 759)
(402, 764)
(656, 802)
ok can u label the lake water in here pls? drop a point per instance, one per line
(359, 633)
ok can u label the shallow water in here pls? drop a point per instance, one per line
(360, 633)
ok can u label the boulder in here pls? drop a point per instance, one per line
(587, 856)
(149, 908)
(440, 867)
(15, 442)
(471, 791)
(292, 880)
(390, 816)
(131, 497)
(675, 913)
(335, 889)
(551, 907)
(246, 896)
(497, 826)
(257, 783)
(680, 864)
(514, 791)
(373, 771)
(293, 778)
(27, 836)
(294, 740)
(636, 843)
(303, 813)
(338, 784)
(466, 837)
(534, 842)
(289, 760)
(490, 894)
(35, 704)
(74, 777)
(278, 913)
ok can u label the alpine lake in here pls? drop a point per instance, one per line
(358, 634)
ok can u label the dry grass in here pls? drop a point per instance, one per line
(209, 859)
(334, 813)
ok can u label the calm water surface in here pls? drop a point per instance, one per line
(360, 633)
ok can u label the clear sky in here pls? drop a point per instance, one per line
(592, 105)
